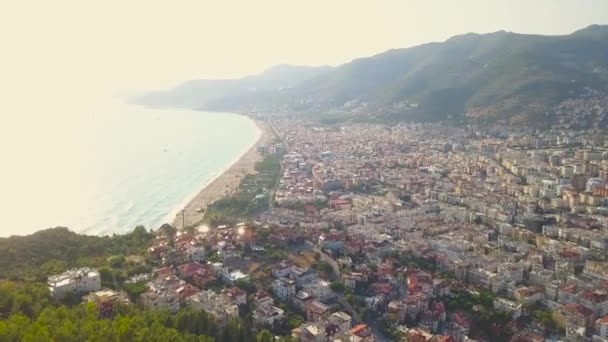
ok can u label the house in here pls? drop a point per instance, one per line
(205, 276)
(321, 289)
(577, 319)
(397, 308)
(218, 306)
(282, 270)
(341, 319)
(577, 314)
(267, 315)
(333, 241)
(596, 300)
(105, 296)
(385, 271)
(186, 290)
(236, 295)
(340, 204)
(417, 335)
(316, 311)
(230, 276)
(528, 295)
(459, 327)
(301, 299)
(361, 330)
(157, 299)
(310, 332)
(568, 293)
(433, 317)
(374, 303)
(482, 277)
(303, 276)
(187, 271)
(349, 281)
(601, 328)
(382, 288)
(79, 281)
(164, 272)
(284, 288)
(196, 253)
(507, 306)
(261, 298)
(415, 304)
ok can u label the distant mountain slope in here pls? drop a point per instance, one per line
(198, 93)
(500, 75)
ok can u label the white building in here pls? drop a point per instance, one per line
(267, 315)
(507, 306)
(231, 276)
(217, 305)
(321, 289)
(284, 288)
(79, 281)
(342, 320)
(160, 300)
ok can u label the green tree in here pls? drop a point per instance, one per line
(264, 336)
(338, 286)
(134, 290)
(116, 261)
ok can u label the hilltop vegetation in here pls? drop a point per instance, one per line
(486, 77)
(51, 251)
(29, 313)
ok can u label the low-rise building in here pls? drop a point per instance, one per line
(267, 315)
(105, 296)
(341, 319)
(78, 281)
(156, 300)
(507, 306)
(219, 306)
(321, 289)
(316, 311)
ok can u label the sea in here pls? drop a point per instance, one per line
(114, 167)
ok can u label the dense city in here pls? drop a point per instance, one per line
(411, 232)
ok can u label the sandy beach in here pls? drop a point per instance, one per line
(224, 184)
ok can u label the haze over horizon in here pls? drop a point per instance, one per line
(62, 60)
(121, 46)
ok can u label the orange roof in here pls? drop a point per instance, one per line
(358, 329)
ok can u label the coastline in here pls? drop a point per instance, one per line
(224, 183)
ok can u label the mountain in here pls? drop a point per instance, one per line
(198, 93)
(500, 75)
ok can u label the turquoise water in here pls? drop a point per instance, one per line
(121, 166)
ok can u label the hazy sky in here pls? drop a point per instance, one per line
(85, 45)
(58, 59)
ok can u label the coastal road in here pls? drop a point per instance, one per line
(276, 185)
(276, 133)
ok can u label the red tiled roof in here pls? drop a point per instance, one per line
(190, 268)
(360, 330)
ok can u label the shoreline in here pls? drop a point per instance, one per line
(224, 183)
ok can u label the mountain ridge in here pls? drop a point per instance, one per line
(493, 76)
